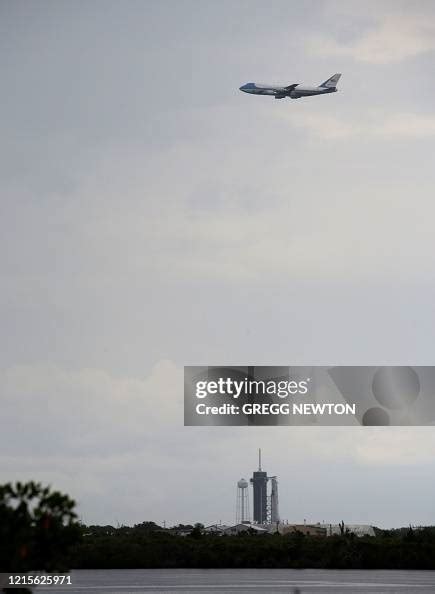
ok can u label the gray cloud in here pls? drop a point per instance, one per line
(150, 212)
(120, 448)
(399, 32)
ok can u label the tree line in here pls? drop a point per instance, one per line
(149, 546)
(39, 530)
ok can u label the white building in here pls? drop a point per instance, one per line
(357, 529)
(239, 528)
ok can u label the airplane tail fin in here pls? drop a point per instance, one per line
(331, 82)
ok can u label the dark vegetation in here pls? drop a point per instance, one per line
(149, 546)
(39, 531)
(38, 527)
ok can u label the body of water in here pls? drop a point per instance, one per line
(248, 581)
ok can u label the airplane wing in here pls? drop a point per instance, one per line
(287, 90)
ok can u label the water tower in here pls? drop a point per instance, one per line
(242, 507)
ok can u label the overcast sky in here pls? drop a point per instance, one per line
(152, 216)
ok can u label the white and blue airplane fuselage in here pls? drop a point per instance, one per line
(294, 91)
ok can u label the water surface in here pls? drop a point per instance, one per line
(248, 581)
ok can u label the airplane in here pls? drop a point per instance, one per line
(294, 91)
